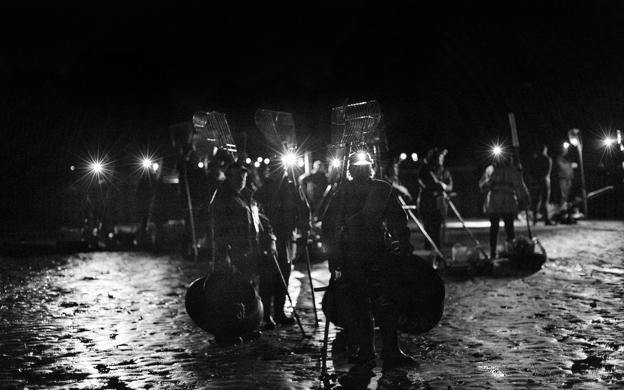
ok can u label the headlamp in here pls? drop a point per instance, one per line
(289, 159)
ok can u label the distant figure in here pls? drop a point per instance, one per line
(435, 180)
(280, 201)
(391, 175)
(540, 168)
(506, 193)
(314, 185)
(565, 172)
(408, 177)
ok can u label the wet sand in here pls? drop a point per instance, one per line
(114, 320)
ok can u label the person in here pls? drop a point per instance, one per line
(279, 200)
(565, 172)
(236, 231)
(236, 225)
(391, 175)
(363, 220)
(314, 185)
(409, 170)
(506, 193)
(540, 168)
(436, 180)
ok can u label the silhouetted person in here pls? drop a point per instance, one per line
(279, 200)
(506, 193)
(435, 181)
(565, 173)
(314, 185)
(360, 217)
(540, 169)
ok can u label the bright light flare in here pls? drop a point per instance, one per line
(259, 159)
(96, 167)
(497, 150)
(147, 163)
(247, 161)
(361, 156)
(289, 159)
(402, 156)
(200, 164)
(608, 141)
(414, 157)
(155, 166)
(257, 164)
(267, 161)
(336, 163)
(566, 145)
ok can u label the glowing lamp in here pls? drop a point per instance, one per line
(497, 150)
(300, 163)
(574, 137)
(257, 164)
(414, 157)
(146, 163)
(247, 160)
(96, 167)
(267, 161)
(335, 162)
(72, 168)
(608, 141)
(289, 159)
(259, 159)
(200, 164)
(402, 156)
(155, 166)
(566, 145)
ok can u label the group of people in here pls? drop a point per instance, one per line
(251, 223)
(246, 220)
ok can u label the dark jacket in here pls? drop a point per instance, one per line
(358, 221)
(283, 206)
(236, 231)
(431, 198)
(505, 190)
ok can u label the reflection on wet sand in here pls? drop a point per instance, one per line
(117, 320)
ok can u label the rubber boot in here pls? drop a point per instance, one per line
(365, 337)
(279, 300)
(391, 354)
(269, 323)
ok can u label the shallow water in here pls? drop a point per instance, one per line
(117, 321)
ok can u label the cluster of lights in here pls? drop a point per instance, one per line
(147, 164)
(413, 156)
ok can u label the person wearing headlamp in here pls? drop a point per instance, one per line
(363, 226)
(506, 194)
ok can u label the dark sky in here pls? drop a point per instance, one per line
(114, 76)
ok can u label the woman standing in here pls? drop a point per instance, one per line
(506, 195)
